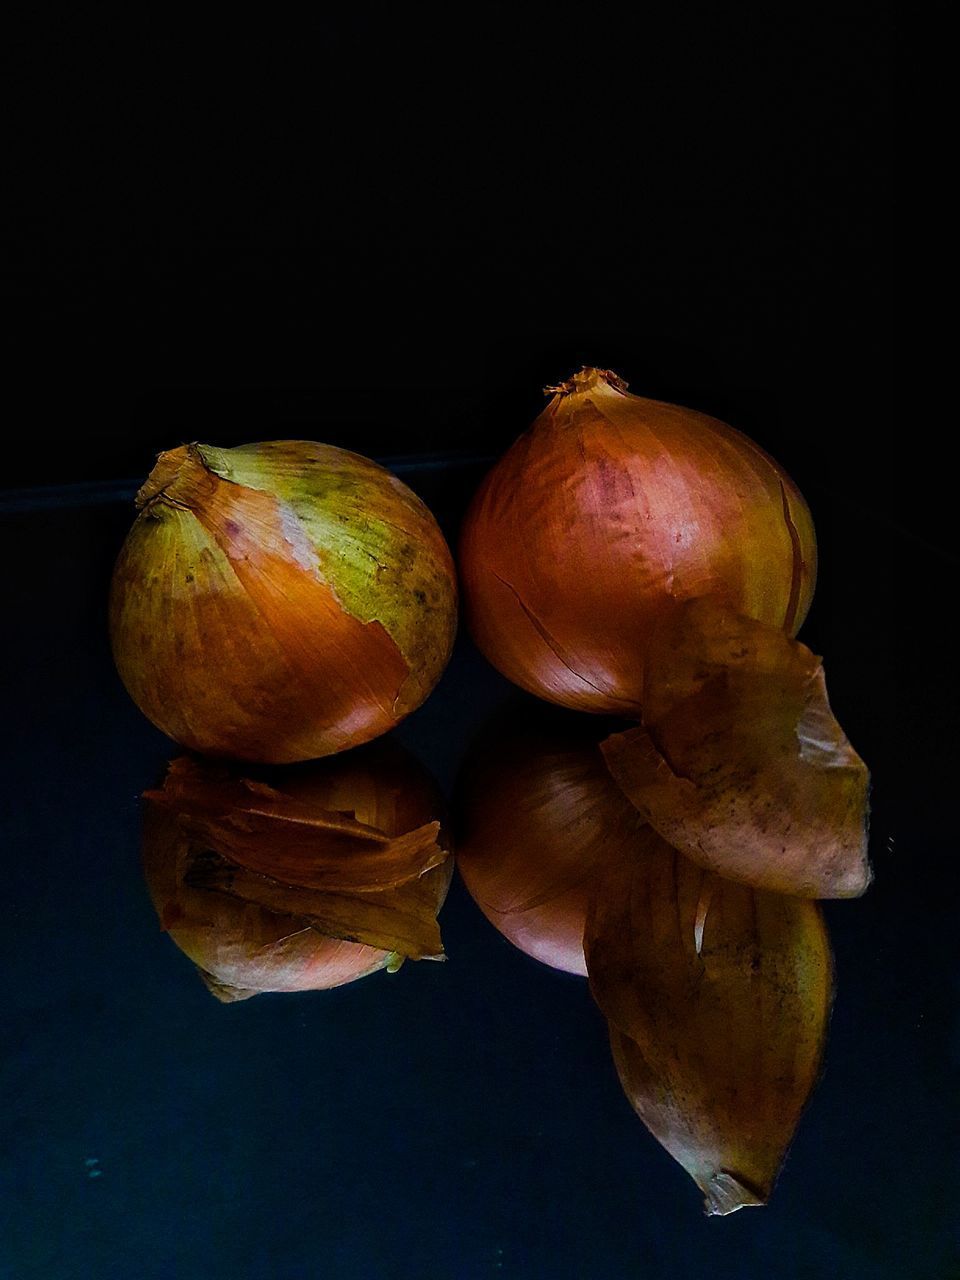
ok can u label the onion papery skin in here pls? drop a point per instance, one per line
(279, 602)
(537, 820)
(608, 509)
(241, 948)
(717, 998)
(740, 763)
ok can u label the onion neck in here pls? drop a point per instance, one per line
(589, 379)
(184, 477)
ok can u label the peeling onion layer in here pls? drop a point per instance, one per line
(740, 763)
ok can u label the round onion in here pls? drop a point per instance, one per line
(240, 946)
(280, 601)
(608, 509)
(539, 817)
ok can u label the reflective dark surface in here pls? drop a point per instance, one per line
(451, 1120)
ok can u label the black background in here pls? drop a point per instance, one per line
(391, 233)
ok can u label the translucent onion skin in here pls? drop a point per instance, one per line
(242, 949)
(605, 511)
(281, 601)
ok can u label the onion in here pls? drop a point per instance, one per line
(314, 879)
(608, 509)
(538, 816)
(280, 601)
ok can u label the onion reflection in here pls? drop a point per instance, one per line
(297, 879)
(716, 994)
(538, 815)
(717, 998)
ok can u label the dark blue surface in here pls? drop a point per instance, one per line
(455, 1121)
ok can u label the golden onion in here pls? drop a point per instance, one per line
(606, 512)
(281, 601)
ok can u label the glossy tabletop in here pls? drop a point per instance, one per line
(449, 1121)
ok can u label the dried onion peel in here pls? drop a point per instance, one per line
(717, 998)
(740, 763)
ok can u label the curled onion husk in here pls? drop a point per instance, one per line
(538, 816)
(740, 763)
(279, 601)
(717, 998)
(305, 881)
(605, 512)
